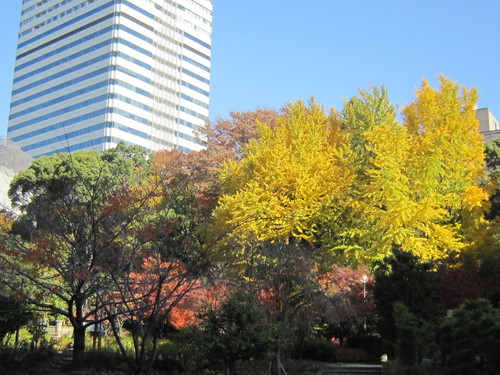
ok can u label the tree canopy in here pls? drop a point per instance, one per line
(357, 184)
(292, 182)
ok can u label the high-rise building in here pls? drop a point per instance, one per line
(92, 73)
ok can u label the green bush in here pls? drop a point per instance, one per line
(470, 341)
(24, 360)
(103, 360)
(238, 330)
(169, 355)
(316, 348)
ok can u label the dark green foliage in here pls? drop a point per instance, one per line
(80, 180)
(13, 316)
(24, 360)
(470, 341)
(410, 340)
(315, 348)
(492, 152)
(238, 330)
(104, 360)
(490, 270)
(403, 278)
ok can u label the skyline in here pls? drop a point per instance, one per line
(265, 54)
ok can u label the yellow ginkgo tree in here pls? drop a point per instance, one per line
(292, 183)
(356, 186)
(421, 181)
(446, 166)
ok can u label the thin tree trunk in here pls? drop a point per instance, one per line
(16, 343)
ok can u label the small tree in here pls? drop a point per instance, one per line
(284, 277)
(13, 315)
(238, 330)
(69, 229)
(403, 278)
(471, 339)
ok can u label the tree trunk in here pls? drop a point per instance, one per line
(230, 367)
(78, 334)
(79, 346)
(16, 342)
(277, 366)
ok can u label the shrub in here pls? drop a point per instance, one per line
(101, 360)
(238, 330)
(316, 348)
(25, 360)
(470, 341)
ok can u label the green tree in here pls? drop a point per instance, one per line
(63, 245)
(237, 330)
(360, 116)
(383, 207)
(404, 278)
(471, 339)
(13, 316)
(492, 152)
(415, 336)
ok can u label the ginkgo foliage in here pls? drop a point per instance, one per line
(290, 183)
(417, 182)
(446, 166)
(357, 185)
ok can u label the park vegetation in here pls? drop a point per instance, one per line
(297, 233)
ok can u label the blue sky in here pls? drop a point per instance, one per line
(268, 52)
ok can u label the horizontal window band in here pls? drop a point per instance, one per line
(60, 112)
(68, 46)
(194, 88)
(73, 32)
(200, 42)
(196, 63)
(196, 52)
(59, 99)
(62, 124)
(70, 22)
(100, 32)
(87, 130)
(195, 76)
(73, 148)
(62, 73)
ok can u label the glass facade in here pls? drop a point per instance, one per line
(91, 73)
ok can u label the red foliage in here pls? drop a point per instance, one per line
(345, 281)
(180, 298)
(350, 296)
(461, 283)
(158, 286)
(184, 314)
